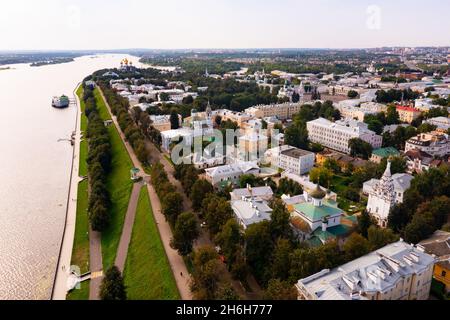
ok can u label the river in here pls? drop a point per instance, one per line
(35, 170)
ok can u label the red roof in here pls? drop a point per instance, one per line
(407, 108)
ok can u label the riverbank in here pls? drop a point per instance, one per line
(63, 268)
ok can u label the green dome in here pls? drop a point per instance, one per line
(318, 193)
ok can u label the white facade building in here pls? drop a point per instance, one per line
(264, 193)
(383, 196)
(296, 161)
(337, 135)
(435, 143)
(442, 123)
(250, 210)
(402, 182)
(230, 173)
(178, 136)
(398, 271)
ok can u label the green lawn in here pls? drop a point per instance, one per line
(102, 110)
(147, 274)
(83, 145)
(81, 294)
(83, 170)
(119, 186)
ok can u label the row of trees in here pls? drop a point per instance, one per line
(99, 163)
(120, 108)
(377, 122)
(184, 224)
(208, 281)
(395, 95)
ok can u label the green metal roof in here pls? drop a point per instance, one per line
(314, 242)
(318, 213)
(339, 230)
(319, 236)
(386, 152)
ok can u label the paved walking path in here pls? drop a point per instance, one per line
(176, 262)
(204, 238)
(125, 238)
(65, 256)
(95, 262)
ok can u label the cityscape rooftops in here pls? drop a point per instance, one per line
(295, 153)
(317, 213)
(407, 108)
(386, 152)
(250, 210)
(261, 192)
(377, 271)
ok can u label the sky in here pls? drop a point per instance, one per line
(179, 24)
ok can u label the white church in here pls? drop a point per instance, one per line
(384, 194)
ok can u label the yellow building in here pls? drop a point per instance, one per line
(442, 273)
(439, 245)
(408, 114)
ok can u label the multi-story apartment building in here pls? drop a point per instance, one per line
(442, 123)
(337, 135)
(282, 111)
(238, 117)
(436, 144)
(349, 111)
(398, 271)
(296, 161)
(290, 159)
(408, 114)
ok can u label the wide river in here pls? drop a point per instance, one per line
(35, 170)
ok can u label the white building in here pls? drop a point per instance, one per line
(442, 123)
(385, 193)
(435, 143)
(176, 136)
(230, 173)
(296, 161)
(398, 271)
(402, 182)
(424, 105)
(282, 111)
(272, 156)
(337, 135)
(250, 210)
(264, 193)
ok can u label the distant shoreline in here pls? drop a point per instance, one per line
(52, 62)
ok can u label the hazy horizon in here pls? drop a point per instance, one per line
(81, 25)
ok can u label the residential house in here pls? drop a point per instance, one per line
(250, 210)
(439, 245)
(379, 155)
(337, 135)
(408, 114)
(436, 144)
(230, 173)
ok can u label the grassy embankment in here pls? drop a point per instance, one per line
(80, 251)
(147, 271)
(119, 186)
